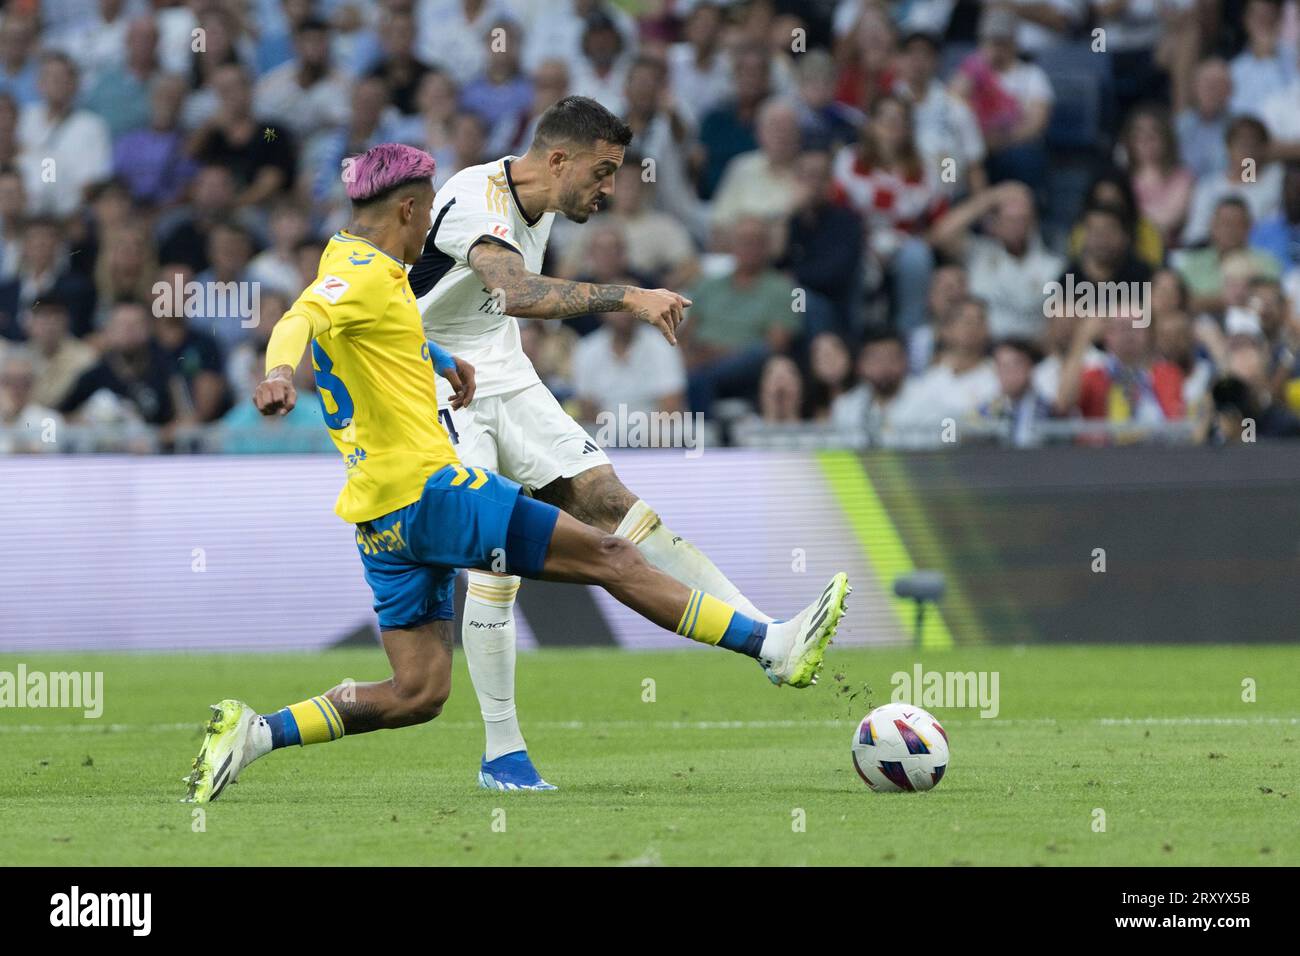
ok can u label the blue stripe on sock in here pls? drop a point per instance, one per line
(329, 724)
(284, 729)
(744, 635)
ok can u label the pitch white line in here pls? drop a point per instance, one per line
(95, 727)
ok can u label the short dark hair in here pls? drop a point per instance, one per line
(1026, 347)
(883, 337)
(581, 120)
(1234, 202)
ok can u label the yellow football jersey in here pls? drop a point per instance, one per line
(375, 378)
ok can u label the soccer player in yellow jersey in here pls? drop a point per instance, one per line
(420, 515)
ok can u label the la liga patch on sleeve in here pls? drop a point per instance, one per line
(331, 288)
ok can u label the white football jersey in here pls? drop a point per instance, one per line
(476, 205)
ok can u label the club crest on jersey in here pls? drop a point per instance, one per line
(361, 258)
(331, 288)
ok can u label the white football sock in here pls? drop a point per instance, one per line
(676, 556)
(488, 636)
(259, 739)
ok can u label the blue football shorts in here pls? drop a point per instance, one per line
(465, 518)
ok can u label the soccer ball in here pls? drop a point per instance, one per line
(900, 747)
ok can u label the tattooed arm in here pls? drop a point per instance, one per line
(528, 295)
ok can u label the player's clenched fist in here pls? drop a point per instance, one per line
(662, 308)
(276, 394)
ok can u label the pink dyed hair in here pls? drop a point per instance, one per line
(384, 167)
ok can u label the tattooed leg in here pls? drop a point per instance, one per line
(421, 681)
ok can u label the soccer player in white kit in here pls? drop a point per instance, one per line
(478, 275)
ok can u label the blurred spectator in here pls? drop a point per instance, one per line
(1247, 176)
(830, 375)
(55, 135)
(1011, 98)
(1243, 401)
(825, 122)
(98, 40)
(258, 152)
(1162, 185)
(195, 360)
(449, 33)
(275, 37)
(949, 288)
(1131, 384)
(737, 320)
(1279, 235)
(1202, 269)
(729, 129)
(1152, 48)
(25, 424)
(227, 309)
(627, 364)
(19, 70)
(780, 391)
(550, 346)
(1008, 265)
(219, 28)
(868, 60)
(432, 130)
(1203, 126)
(825, 242)
(1062, 327)
(151, 159)
(59, 358)
(398, 66)
(468, 144)
(1043, 24)
(183, 232)
(1018, 406)
(276, 266)
(126, 265)
(502, 94)
(119, 91)
(897, 196)
(1111, 187)
(133, 369)
(10, 148)
(13, 211)
(601, 69)
(699, 69)
(882, 381)
(663, 136)
(1105, 253)
(762, 183)
(958, 384)
(657, 245)
(1266, 65)
(306, 94)
(945, 127)
(558, 28)
(43, 271)
(1175, 341)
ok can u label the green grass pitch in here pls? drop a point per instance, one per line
(721, 768)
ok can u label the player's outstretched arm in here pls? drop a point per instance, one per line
(276, 394)
(527, 295)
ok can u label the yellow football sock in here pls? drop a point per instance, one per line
(318, 720)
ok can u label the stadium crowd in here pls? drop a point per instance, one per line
(870, 205)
